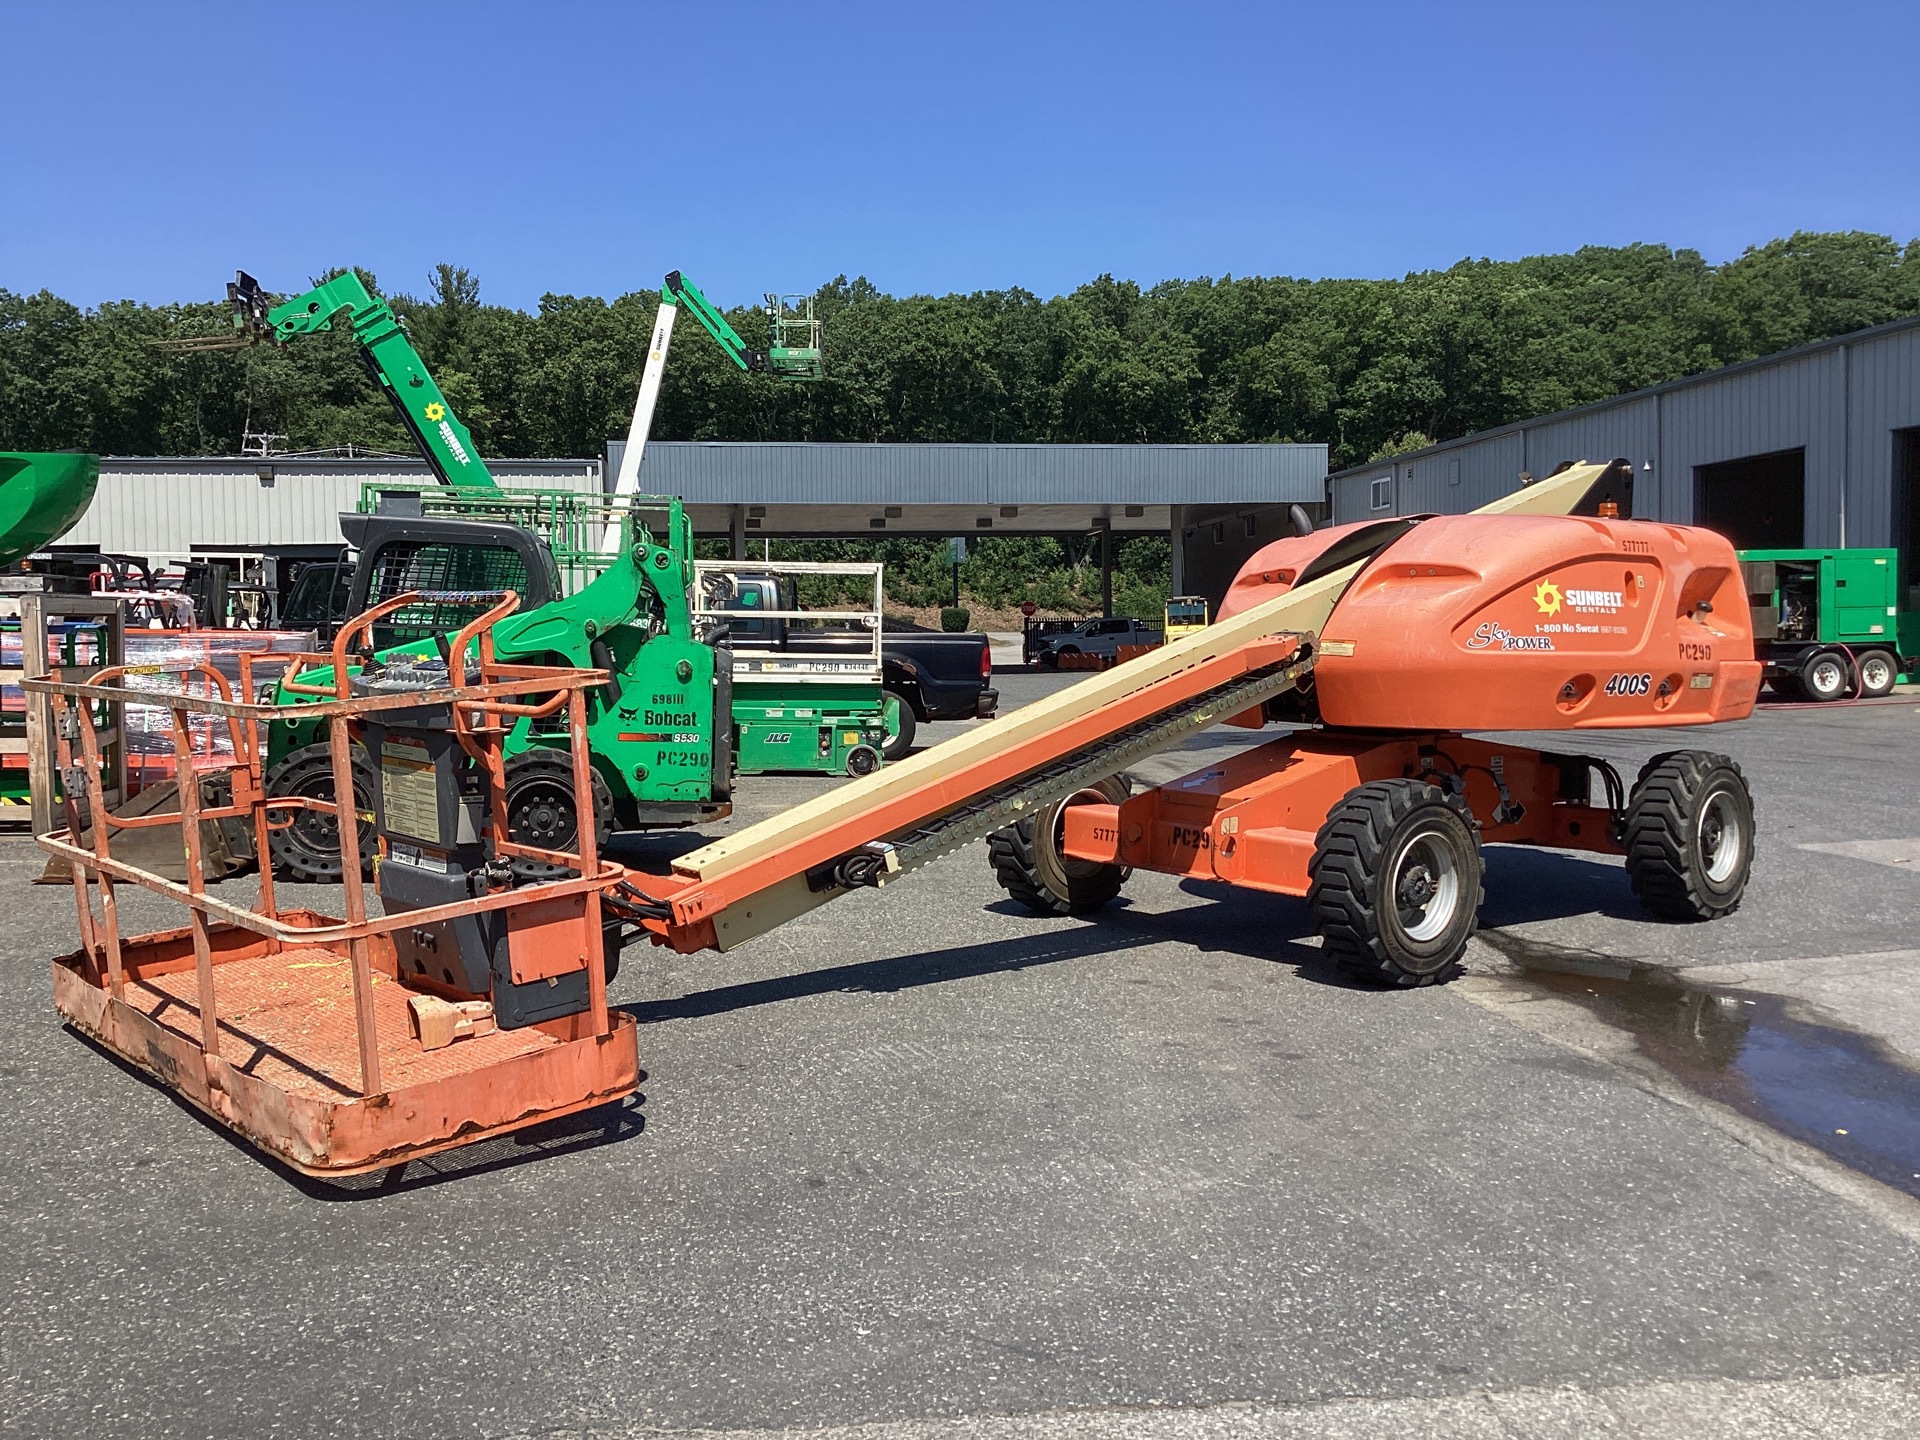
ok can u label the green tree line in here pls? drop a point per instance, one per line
(1366, 366)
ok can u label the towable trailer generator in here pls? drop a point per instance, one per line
(1831, 623)
(1378, 645)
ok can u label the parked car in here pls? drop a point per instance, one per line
(1099, 637)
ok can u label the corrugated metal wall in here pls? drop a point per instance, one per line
(1884, 396)
(1797, 404)
(170, 506)
(755, 473)
(1840, 401)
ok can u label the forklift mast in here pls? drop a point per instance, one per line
(388, 354)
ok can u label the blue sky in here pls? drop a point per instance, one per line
(586, 148)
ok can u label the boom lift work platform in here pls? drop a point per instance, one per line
(475, 1005)
(1381, 643)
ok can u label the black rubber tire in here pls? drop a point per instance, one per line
(1372, 841)
(863, 760)
(1027, 862)
(1879, 671)
(1826, 675)
(1676, 824)
(901, 740)
(308, 850)
(541, 812)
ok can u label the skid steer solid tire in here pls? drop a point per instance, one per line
(1690, 835)
(540, 809)
(308, 849)
(1026, 858)
(1395, 882)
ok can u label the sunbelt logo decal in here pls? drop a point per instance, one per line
(1548, 598)
(436, 414)
(1607, 600)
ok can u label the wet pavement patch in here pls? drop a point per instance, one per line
(1832, 1088)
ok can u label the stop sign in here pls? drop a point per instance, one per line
(1029, 609)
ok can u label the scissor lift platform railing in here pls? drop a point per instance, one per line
(294, 1028)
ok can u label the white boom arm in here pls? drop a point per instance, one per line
(627, 483)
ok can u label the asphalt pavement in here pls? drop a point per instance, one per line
(920, 1164)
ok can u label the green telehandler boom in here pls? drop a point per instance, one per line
(389, 355)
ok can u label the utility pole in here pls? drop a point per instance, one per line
(1106, 567)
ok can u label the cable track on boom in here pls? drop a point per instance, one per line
(981, 816)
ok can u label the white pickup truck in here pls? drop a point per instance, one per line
(1098, 637)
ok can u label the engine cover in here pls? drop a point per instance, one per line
(1526, 622)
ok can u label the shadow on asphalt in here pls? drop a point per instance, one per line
(899, 972)
(1525, 884)
(569, 1134)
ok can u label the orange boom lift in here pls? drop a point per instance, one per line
(1378, 645)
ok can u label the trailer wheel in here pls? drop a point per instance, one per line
(1027, 862)
(1395, 882)
(1878, 671)
(1690, 835)
(901, 725)
(541, 810)
(1824, 676)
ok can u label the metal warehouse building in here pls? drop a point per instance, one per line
(1816, 447)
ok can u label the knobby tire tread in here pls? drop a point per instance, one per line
(1658, 836)
(1348, 851)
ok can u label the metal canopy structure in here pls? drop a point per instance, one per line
(1206, 498)
(800, 488)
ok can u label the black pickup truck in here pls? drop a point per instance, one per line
(934, 675)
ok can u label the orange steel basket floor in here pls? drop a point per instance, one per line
(288, 1073)
(287, 1019)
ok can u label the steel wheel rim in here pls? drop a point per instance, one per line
(1722, 837)
(1425, 887)
(541, 813)
(318, 831)
(1825, 677)
(1875, 672)
(1071, 866)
